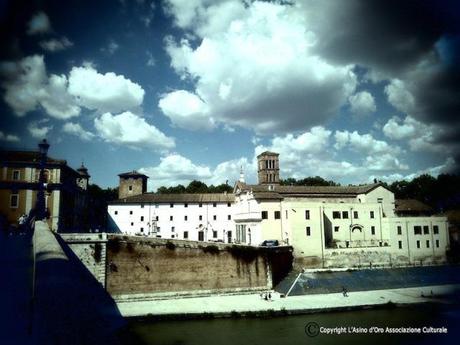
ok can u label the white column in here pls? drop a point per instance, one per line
(55, 212)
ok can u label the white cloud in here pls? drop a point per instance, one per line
(420, 137)
(254, 67)
(39, 24)
(77, 130)
(150, 60)
(186, 110)
(399, 96)
(107, 92)
(57, 102)
(363, 143)
(385, 161)
(362, 103)
(38, 132)
(131, 130)
(54, 45)
(8, 137)
(111, 47)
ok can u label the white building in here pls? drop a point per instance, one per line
(327, 225)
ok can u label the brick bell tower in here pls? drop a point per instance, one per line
(268, 168)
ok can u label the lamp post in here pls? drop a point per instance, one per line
(40, 205)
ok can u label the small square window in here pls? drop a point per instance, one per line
(173, 228)
(380, 200)
(417, 230)
(228, 204)
(428, 243)
(158, 218)
(214, 217)
(142, 229)
(185, 217)
(130, 188)
(171, 205)
(345, 214)
(142, 218)
(307, 214)
(372, 214)
(336, 228)
(171, 217)
(185, 234)
(399, 230)
(307, 231)
(437, 243)
(185, 205)
(132, 223)
(142, 205)
(355, 214)
(130, 212)
(229, 217)
(277, 214)
(214, 234)
(426, 229)
(214, 204)
(336, 215)
(14, 201)
(200, 217)
(116, 212)
(264, 214)
(372, 230)
(400, 244)
(435, 229)
(16, 175)
(418, 244)
(200, 205)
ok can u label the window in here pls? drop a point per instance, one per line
(132, 223)
(200, 205)
(399, 230)
(116, 212)
(372, 230)
(142, 205)
(264, 214)
(200, 218)
(418, 244)
(14, 200)
(277, 215)
(156, 206)
(355, 214)
(336, 215)
(286, 213)
(229, 217)
(158, 218)
(307, 214)
(228, 204)
(173, 228)
(372, 214)
(437, 243)
(400, 244)
(379, 200)
(185, 234)
(16, 175)
(336, 228)
(185, 205)
(214, 234)
(130, 212)
(200, 236)
(142, 229)
(171, 217)
(307, 231)
(345, 214)
(171, 205)
(426, 229)
(214, 217)
(142, 218)
(428, 243)
(435, 229)
(130, 188)
(214, 204)
(417, 230)
(172, 236)
(185, 218)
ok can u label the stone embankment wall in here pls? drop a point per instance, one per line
(132, 267)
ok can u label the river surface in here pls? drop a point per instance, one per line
(303, 329)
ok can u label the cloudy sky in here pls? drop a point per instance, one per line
(193, 89)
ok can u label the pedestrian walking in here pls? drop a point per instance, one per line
(344, 291)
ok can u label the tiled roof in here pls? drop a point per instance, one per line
(27, 157)
(176, 198)
(268, 153)
(133, 173)
(411, 205)
(310, 190)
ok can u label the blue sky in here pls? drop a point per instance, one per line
(182, 90)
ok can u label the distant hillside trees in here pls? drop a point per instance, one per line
(308, 181)
(195, 187)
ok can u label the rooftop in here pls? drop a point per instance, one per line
(27, 157)
(411, 205)
(176, 198)
(133, 173)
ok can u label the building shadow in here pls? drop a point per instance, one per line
(70, 305)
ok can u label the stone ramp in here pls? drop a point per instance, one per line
(324, 281)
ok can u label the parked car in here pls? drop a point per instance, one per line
(270, 243)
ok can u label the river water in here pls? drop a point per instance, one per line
(303, 329)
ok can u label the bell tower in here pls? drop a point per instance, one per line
(268, 168)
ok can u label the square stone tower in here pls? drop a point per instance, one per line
(268, 168)
(132, 183)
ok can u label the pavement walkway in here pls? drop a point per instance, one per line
(226, 304)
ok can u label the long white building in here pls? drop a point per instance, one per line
(328, 226)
